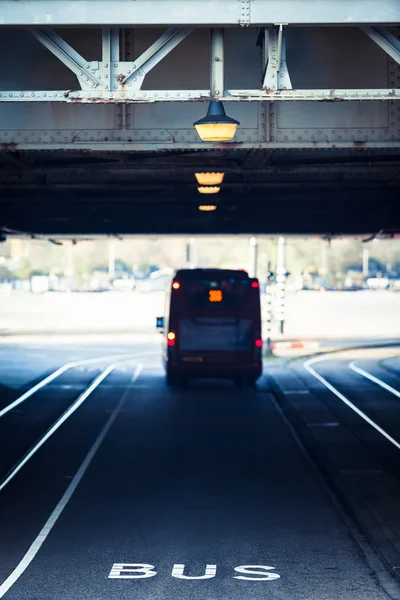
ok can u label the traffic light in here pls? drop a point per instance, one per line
(270, 276)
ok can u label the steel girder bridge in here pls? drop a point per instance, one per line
(98, 100)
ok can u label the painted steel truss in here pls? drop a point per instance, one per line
(112, 80)
(210, 13)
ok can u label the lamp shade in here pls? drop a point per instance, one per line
(209, 189)
(209, 178)
(216, 126)
(207, 207)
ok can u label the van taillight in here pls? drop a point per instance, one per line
(259, 343)
(171, 338)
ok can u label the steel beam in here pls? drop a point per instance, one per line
(198, 12)
(67, 55)
(385, 40)
(254, 169)
(133, 146)
(153, 96)
(137, 70)
(276, 72)
(110, 45)
(217, 85)
(110, 55)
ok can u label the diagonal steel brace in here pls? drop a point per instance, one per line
(66, 54)
(153, 55)
(388, 42)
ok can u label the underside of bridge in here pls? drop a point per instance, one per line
(264, 191)
(98, 101)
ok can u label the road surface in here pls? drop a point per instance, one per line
(114, 486)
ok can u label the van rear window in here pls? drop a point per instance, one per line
(210, 334)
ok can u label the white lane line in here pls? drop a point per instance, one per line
(55, 374)
(384, 385)
(95, 383)
(36, 545)
(307, 366)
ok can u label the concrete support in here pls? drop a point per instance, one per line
(111, 259)
(191, 254)
(365, 262)
(324, 259)
(70, 267)
(253, 257)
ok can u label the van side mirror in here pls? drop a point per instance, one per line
(160, 323)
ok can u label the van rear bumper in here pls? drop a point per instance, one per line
(218, 370)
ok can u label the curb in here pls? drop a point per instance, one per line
(9, 333)
(296, 345)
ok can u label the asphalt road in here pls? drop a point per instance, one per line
(201, 493)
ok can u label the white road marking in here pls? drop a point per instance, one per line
(35, 547)
(145, 571)
(80, 400)
(56, 374)
(384, 385)
(178, 571)
(307, 366)
(256, 570)
(131, 571)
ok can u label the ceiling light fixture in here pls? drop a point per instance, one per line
(209, 178)
(207, 207)
(209, 189)
(216, 126)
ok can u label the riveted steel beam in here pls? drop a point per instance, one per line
(217, 62)
(276, 72)
(110, 55)
(153, 96)
(137, 70)
(126, 146)
(67, 55)
(198, 12)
